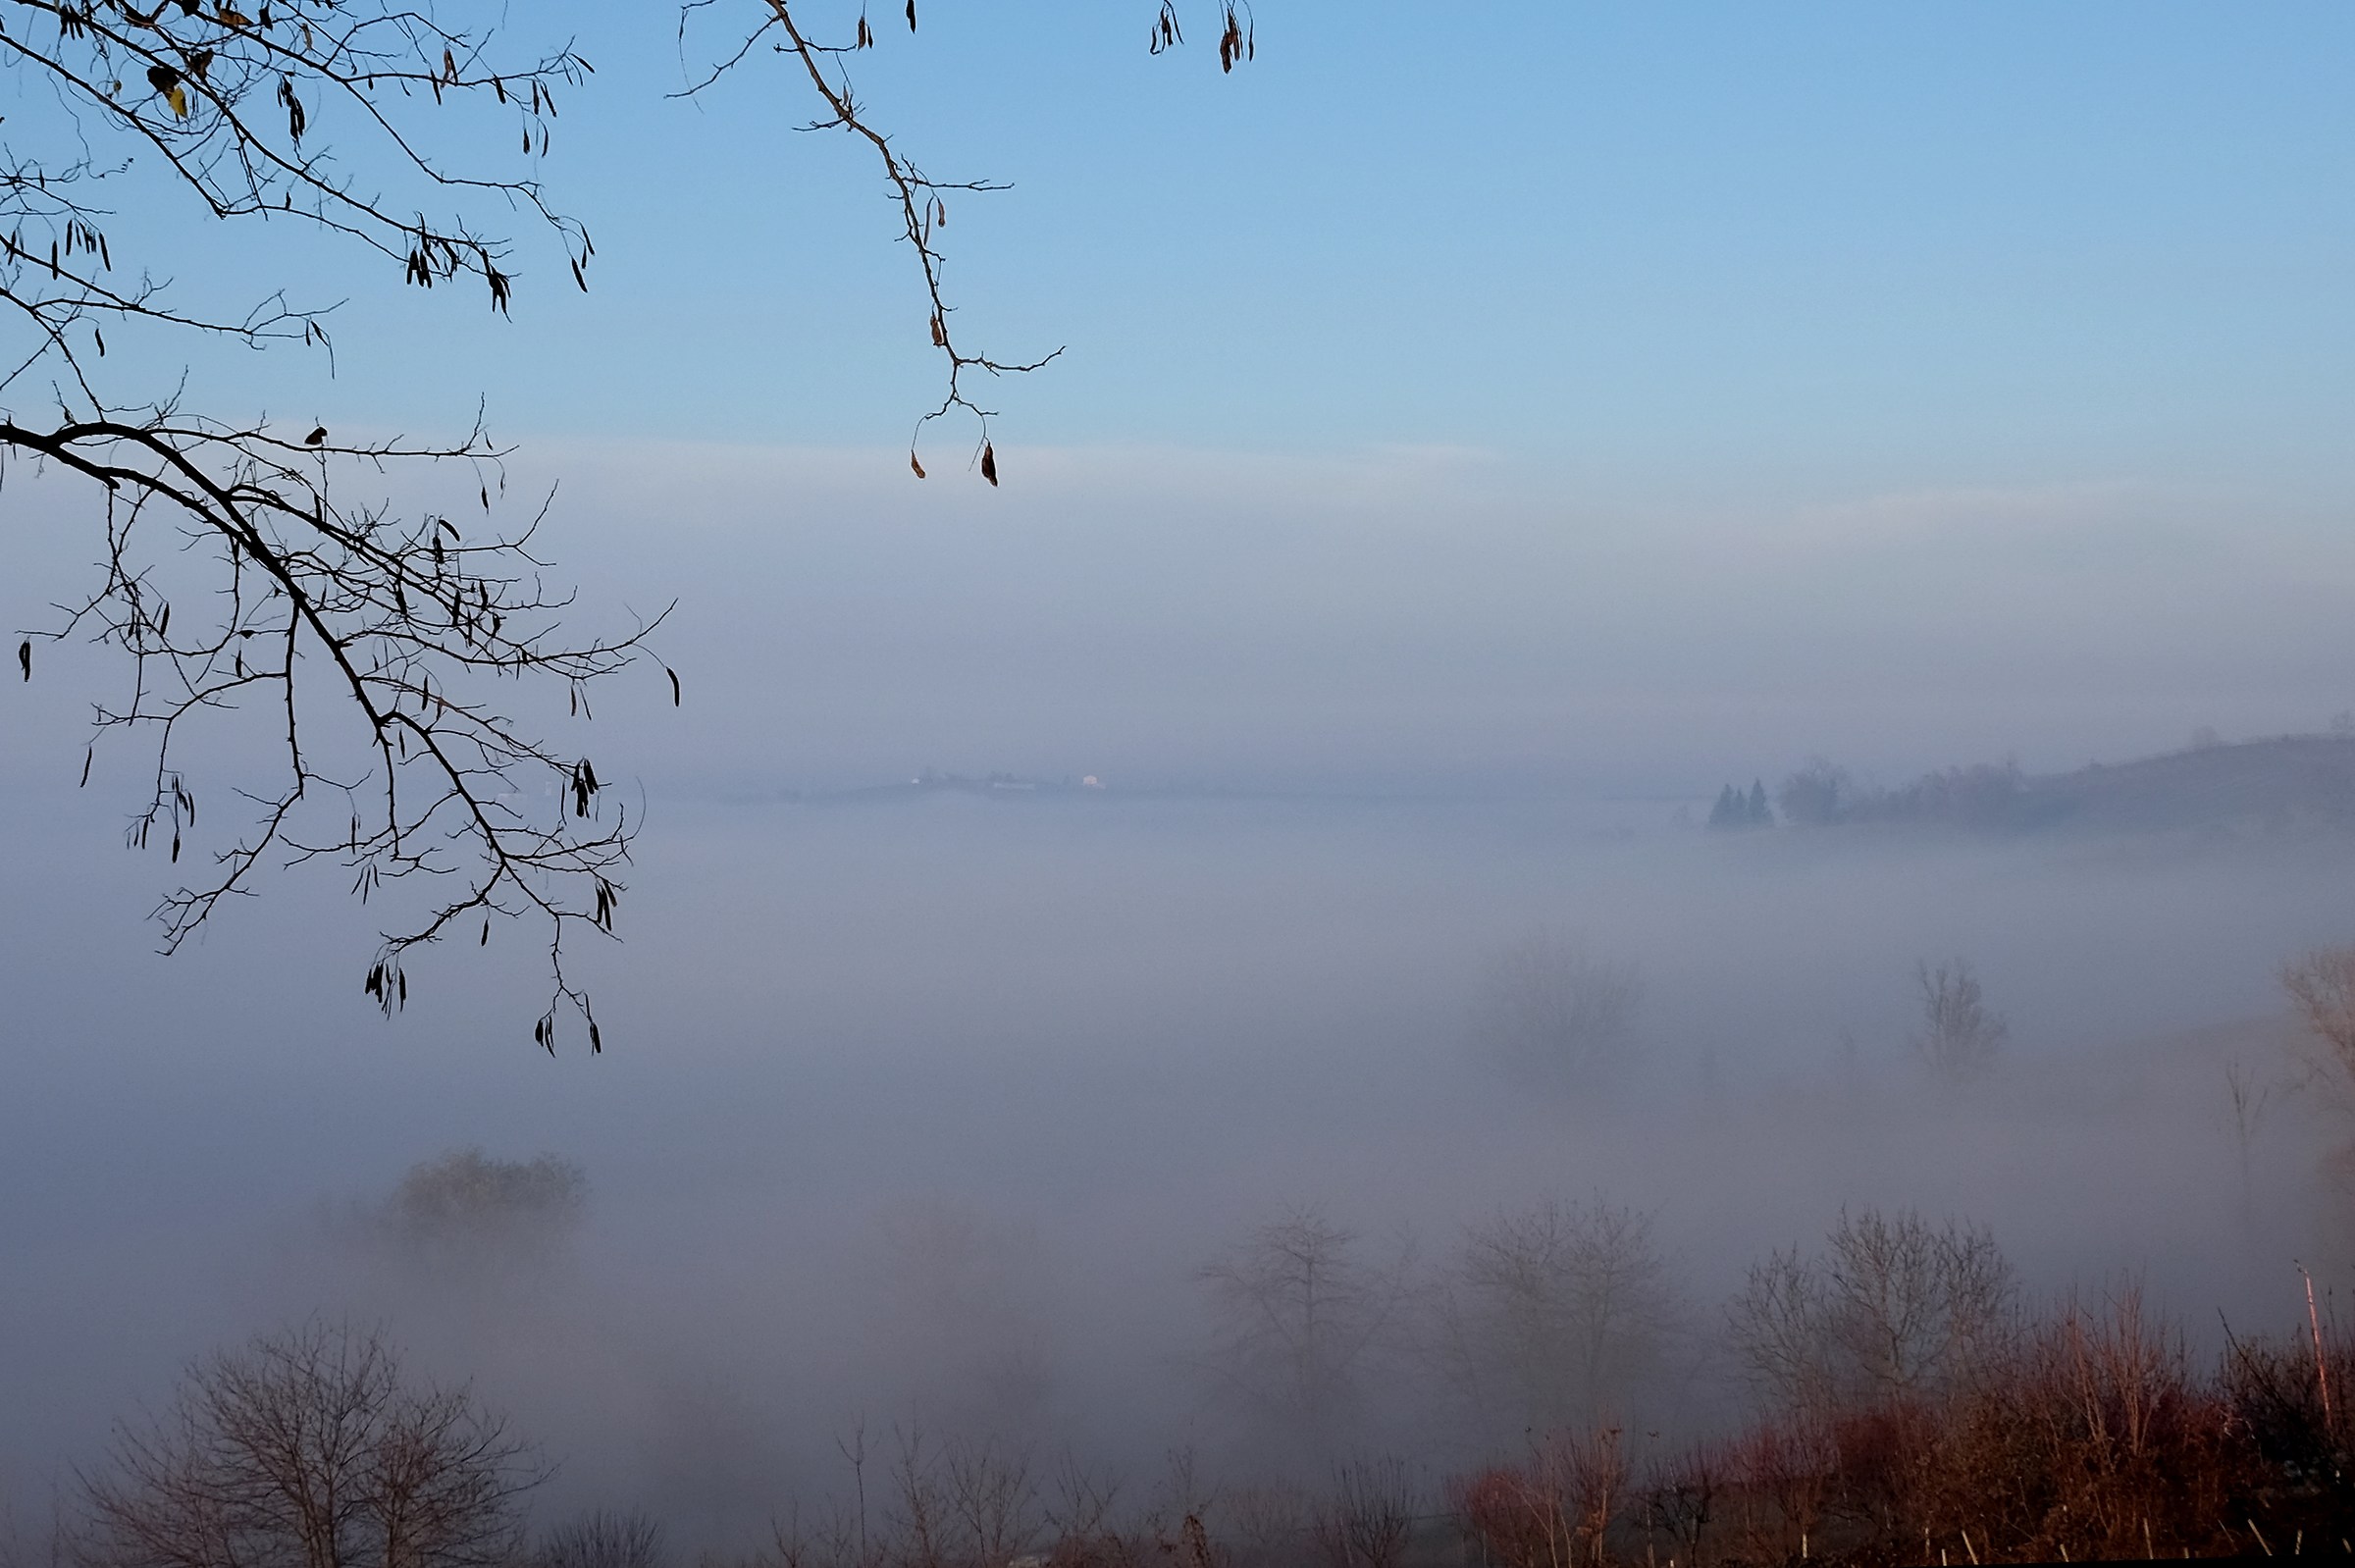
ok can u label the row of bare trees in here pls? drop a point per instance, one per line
(964, 1503)
(1540, 1317)
(1908, 1404)
(1553, 1009)
(1560, 1016)
(917, 1502)
(1910, 1409)
(1566, 1316)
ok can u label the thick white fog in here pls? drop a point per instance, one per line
(926, 1107)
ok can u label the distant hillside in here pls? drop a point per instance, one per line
(2291, 783)
(2294, 781)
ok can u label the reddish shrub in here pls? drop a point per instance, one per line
(1554, 1510)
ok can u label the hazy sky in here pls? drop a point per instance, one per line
(1619, 397)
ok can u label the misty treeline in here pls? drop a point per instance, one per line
(1548, 1383)
(1734, 809)
(1899, 1396)
(1982, 795)
(1559, 1015)
(2275, 784)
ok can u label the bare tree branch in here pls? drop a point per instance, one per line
(922, 201)
(374, 638)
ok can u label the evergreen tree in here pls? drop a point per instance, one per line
(1759, 816)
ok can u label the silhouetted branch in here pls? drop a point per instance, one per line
(372, 639)
(920, 199)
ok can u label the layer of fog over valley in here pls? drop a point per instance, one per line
(1019, 929)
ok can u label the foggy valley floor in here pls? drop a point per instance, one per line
(928, 1112)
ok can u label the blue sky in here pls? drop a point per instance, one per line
(1903, 242)
(1618, 394)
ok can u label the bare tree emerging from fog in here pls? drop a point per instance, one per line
(1368, 1518)
(1556, 1508)
(1185, 1496)
(2322, 987)
(1266, 1523)
(308, 1448)
(838, 1538)
(1679, 1495)
(920, 1510)
(1081, 1514)
(1554, 1315)
(952, 1504)
(1551, 1010)
(1960, 1037)
(1781, 1473)
(2248, 1099)
(1300, 1316)
(603, 1538)
(1813, 797)
(1893, 1308)
(984, 1504)
(993, 1500)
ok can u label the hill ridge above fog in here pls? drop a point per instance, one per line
(2281, 784)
